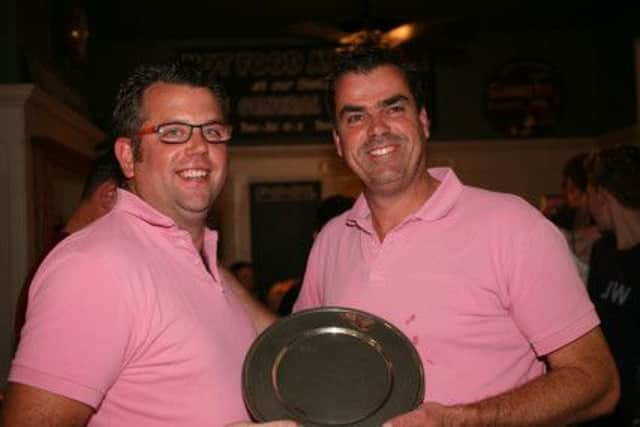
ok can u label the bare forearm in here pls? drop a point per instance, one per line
(259, 314)
(27, 406)
(561, 397)
(582, 383)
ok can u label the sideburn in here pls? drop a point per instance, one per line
(136, 148)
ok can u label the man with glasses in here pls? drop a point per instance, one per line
(130, 321)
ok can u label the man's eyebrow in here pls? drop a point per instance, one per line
(349, 108)
(392, 100)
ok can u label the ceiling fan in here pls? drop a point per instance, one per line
(365, 34)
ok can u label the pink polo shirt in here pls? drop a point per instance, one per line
(124, 317)
(479, 281)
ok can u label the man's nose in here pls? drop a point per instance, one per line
(197, 143)
(377, 125)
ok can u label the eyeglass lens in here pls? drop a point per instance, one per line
(181, 132)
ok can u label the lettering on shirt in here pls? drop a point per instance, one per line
(616, 293)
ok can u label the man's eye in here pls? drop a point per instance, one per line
(213, 132)
(353, 119)
(172, 131)
(396, 108)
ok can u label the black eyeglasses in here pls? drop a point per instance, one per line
(179, 133)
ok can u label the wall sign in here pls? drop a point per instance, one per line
(524, 99)
(276, 92)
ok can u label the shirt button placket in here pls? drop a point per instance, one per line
(376, 276)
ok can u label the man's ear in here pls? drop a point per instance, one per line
(423, 117)
(337, 142)
(124, 154)
(107, 195)
(607, 198)
(597, 194)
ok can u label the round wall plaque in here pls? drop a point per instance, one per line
(524, 99)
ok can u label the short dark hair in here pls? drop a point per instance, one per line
(617, 170)
(127, 115)
(574, 169)
(363, 60)
(104, 168)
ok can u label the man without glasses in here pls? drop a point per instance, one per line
(482, 284)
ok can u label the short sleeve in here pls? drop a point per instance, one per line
(77, 330)
(548, 300)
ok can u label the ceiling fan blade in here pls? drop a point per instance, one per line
(361, 37)
(403, 33)
(317, 31)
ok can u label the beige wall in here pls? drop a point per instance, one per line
(529, 168)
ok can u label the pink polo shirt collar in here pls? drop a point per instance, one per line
(133, 205)
(435, 208)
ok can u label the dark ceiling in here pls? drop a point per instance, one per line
(124, 32)
(447, 19)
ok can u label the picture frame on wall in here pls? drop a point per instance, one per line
(525, 98)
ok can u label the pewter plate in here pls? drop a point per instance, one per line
(332, 366)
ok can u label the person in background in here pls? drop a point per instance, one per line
(482, 284)
(614, 273)
(570, 212)
(577, 224)
(573, 212)
(98, 193)
(277, 293)
(243, 272)
(130, 320)
(97, 198)
(329, 208)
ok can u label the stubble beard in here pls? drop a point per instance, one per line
(394, 178)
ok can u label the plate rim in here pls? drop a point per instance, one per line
(317, 311)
